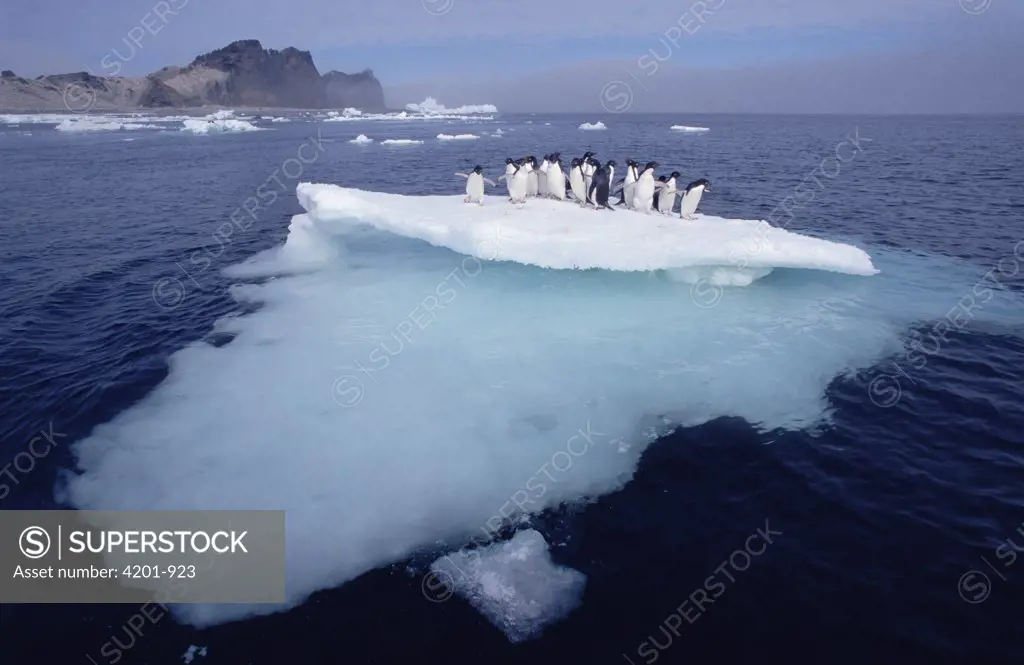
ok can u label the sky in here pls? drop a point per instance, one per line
(899, 56)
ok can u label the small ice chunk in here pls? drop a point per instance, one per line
(515, 584)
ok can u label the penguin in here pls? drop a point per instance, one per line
(475, 185)
(531, 176)
(520, 181)
(610, 170)
(691, 199)
(542, 177)
(629, 183)
(587, 168)
(598, 193)
(646, 185)
(556, 178)
(576, 181)
(657, 192)
(667, 199)
(510, 169)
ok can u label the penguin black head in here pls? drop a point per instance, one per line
(509, 160)
(611, 162)
(555, 156)
(597, 164)
(651, 166)
(675, 174)
(662, 178)
(575, 162)
(478, 169)
(703, 182)
(532, 160)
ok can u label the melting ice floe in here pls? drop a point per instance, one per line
(593, 126)
(430, 106)
(362, 139)
(514, 584)
(219, 122)
(400, 142)
(685, 128)
(554, 234)
(390, 395)
(98, 124)
(456, 137)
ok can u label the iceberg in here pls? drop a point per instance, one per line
(218, 125)
(400, 142)
(430, 106)
(98, 124)
(686, 128)
(587, 126)
(562, 235)
(456, 137)
(514, 584)
(362, 139)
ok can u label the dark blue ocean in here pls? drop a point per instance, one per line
(856, 497)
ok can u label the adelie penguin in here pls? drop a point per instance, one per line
(510, 169)
(667, 198)
(532, 184)
(657, 192)
(599, 185)
(475, 185)
(587, 168)
(629, 183)
(646, 185)
(576, 181)
(691, 199)
(556, 177)
(542, 177)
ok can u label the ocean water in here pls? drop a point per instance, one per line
(816, 466)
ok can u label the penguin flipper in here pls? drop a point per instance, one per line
(462, 175)
(501, 177)
(491, 182)
(619, 187)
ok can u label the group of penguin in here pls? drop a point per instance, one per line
(590, 183)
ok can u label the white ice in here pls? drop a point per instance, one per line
(192, 652)
(280, 119)
(456, 137)
(209, 125)
(560, 234)
(593, 126)
(99, 124)
(430, 106)
(390, 395)
(400, 142)
(362, 139)
(514, 584)
(686, 128)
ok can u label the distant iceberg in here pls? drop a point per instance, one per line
(430, 106)
(100, 124)
(593, 126)
(456, 137)
(362, 139)
(554, 234)
(400, 142)
(686, 128)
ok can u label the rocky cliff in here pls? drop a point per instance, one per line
(242, 74)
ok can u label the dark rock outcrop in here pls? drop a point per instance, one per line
(362, 91)
(242, 74)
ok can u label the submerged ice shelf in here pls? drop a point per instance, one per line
(561, 235)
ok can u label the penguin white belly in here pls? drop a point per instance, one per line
(509, 172)
(667, 198)
(542, 179)
(588, 177)
(556, 182)
(643, 194)
(577, 184)
(630, 191)
(475, 187)
(532, 184)
(518, 187)
(690, 201)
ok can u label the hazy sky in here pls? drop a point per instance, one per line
(745, 55)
